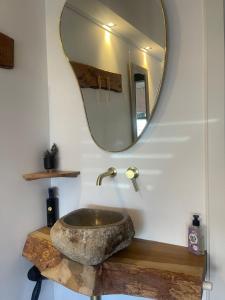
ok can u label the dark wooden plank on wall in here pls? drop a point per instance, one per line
(6, 52)
(91, 77)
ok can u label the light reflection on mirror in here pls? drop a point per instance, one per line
(117, 50)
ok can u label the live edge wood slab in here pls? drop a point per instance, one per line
(147, 269)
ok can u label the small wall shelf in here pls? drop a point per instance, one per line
(146, 268)
(52, 174)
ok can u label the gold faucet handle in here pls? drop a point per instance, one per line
(132, 173)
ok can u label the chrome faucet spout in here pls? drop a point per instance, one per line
(111, 172)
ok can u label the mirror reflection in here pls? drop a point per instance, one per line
(117, 50)
(139, 99)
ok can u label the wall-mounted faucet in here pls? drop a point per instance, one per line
(110, 172)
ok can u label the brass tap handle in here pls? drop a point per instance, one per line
(132, 173)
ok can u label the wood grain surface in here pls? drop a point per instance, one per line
(51, 174)
(147, 269)
(91, 77)
(6, 52)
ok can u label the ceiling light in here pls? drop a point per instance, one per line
(106, 27)
(111, 24)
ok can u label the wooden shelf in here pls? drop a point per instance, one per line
(147, 269)
(52, 174)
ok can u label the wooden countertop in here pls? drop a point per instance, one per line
(146, 269)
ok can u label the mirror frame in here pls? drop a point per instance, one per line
(130, 72)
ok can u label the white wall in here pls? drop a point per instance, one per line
(216, 145)
(24, 135)
(171, 154)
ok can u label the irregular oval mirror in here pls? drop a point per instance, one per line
(117, 49)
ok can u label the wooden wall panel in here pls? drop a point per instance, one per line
(6, 52)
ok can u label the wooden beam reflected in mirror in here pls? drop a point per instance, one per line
(91, 77)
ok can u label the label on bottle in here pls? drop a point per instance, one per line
(193, 238)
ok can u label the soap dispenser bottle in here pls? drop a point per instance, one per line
(52, 208)
(195, 237)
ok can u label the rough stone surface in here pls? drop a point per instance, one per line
(91, 245)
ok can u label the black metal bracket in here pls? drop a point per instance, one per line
(35, 275)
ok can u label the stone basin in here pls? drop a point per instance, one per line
(90, 236)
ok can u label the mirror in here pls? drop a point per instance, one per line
(117, 49)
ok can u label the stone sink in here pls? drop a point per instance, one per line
(90, 236)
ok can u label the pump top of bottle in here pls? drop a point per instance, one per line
(196, 221)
